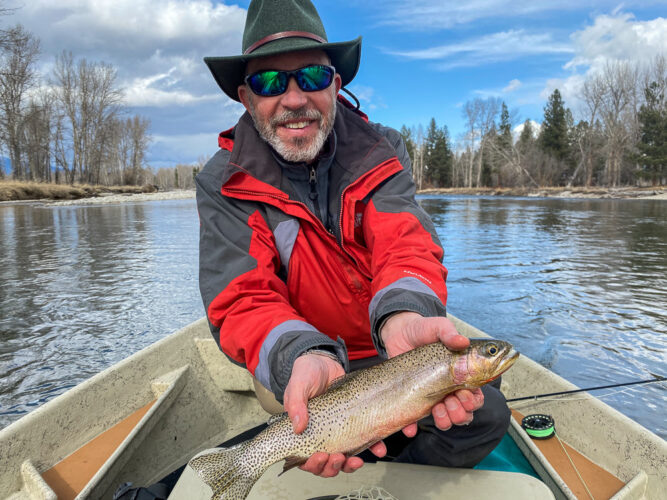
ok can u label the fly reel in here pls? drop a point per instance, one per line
(539, 426)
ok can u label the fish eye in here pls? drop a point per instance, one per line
(492, 349)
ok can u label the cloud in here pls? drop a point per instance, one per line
(619, 37)
(132, 27)
(157, 48)
(367, 96)
(495, 47)
(610, 38)
(420, 15)
(512, 86)
(158, 91)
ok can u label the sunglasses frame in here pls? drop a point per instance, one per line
(291, 74)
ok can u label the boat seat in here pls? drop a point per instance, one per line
(403, 481)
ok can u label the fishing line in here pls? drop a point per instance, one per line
(536, 396)
(541, 426)
(580, 398)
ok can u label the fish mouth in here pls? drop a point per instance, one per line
(507, 361)
(504, 364)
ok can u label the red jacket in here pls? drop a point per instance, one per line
(276, 283)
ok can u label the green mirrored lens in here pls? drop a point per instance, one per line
(268, 82)
(312, 78)
(273, 82)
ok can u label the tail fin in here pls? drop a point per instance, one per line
(226, 472)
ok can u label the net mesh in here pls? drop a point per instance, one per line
(368, 493)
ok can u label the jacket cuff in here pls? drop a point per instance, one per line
(401, 301)
(292, 345)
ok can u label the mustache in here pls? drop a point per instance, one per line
(299, 114)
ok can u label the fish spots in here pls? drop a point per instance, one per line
(364, 408)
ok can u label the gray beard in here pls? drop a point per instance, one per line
(298, 150)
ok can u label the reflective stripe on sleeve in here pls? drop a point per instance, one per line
(262, 372)
(410, 284)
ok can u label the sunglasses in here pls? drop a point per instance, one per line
(270, 82)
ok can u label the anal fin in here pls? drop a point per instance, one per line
(291, 462)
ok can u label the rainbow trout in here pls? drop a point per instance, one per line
(356, 411)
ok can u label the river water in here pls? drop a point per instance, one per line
(578, 285)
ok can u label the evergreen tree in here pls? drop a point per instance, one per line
(438, 155)
(409, 141)
(554, 134)
(505, 130)
(652, 145)
(526, 138)
(491, 160)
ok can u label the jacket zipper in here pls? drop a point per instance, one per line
(312, 180)
(286, 200)
(340, 216)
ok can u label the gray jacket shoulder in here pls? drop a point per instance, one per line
(396, 140)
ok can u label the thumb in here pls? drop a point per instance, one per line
(448, 335)
(297, 410)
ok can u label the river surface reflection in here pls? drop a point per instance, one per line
(578, 285)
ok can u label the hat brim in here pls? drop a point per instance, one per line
(229, 72)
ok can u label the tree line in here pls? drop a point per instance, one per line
(70, 126)
(620, 138)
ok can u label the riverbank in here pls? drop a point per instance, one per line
(58, 195)
(32, 191)
(657, 193)
(177, 194)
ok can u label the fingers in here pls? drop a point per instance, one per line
(457, 408)
(379, 449)
(410, 431)
(352, 464)
(406, 330)
(325, 465)
(441, 417)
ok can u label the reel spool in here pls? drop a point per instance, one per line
(539, 426)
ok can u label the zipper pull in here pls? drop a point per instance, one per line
(312, 179)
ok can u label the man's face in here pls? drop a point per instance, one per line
(297, 123)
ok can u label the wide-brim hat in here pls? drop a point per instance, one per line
(278, 26)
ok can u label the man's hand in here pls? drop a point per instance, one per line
(311, 375)
(403, 332)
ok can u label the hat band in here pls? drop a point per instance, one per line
(283, 34)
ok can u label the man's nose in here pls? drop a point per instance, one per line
(293, 97)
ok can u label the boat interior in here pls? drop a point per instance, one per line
(144, 418)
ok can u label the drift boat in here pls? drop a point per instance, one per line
(145, 417)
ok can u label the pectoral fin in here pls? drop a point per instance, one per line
(438, 395)
(361, 448)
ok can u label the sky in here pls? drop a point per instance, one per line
(421, 59)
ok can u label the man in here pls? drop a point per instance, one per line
(315, 258)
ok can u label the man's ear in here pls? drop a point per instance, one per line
(338, 82)
(242, 91)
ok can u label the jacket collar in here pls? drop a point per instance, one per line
(358, 148)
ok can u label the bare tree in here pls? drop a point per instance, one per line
(486, 119)
(418, 157)
(89, 101)
(615, 95)
(480, 116)
(137, 130)
(471, 112)
(38, 128)
(18, 54)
